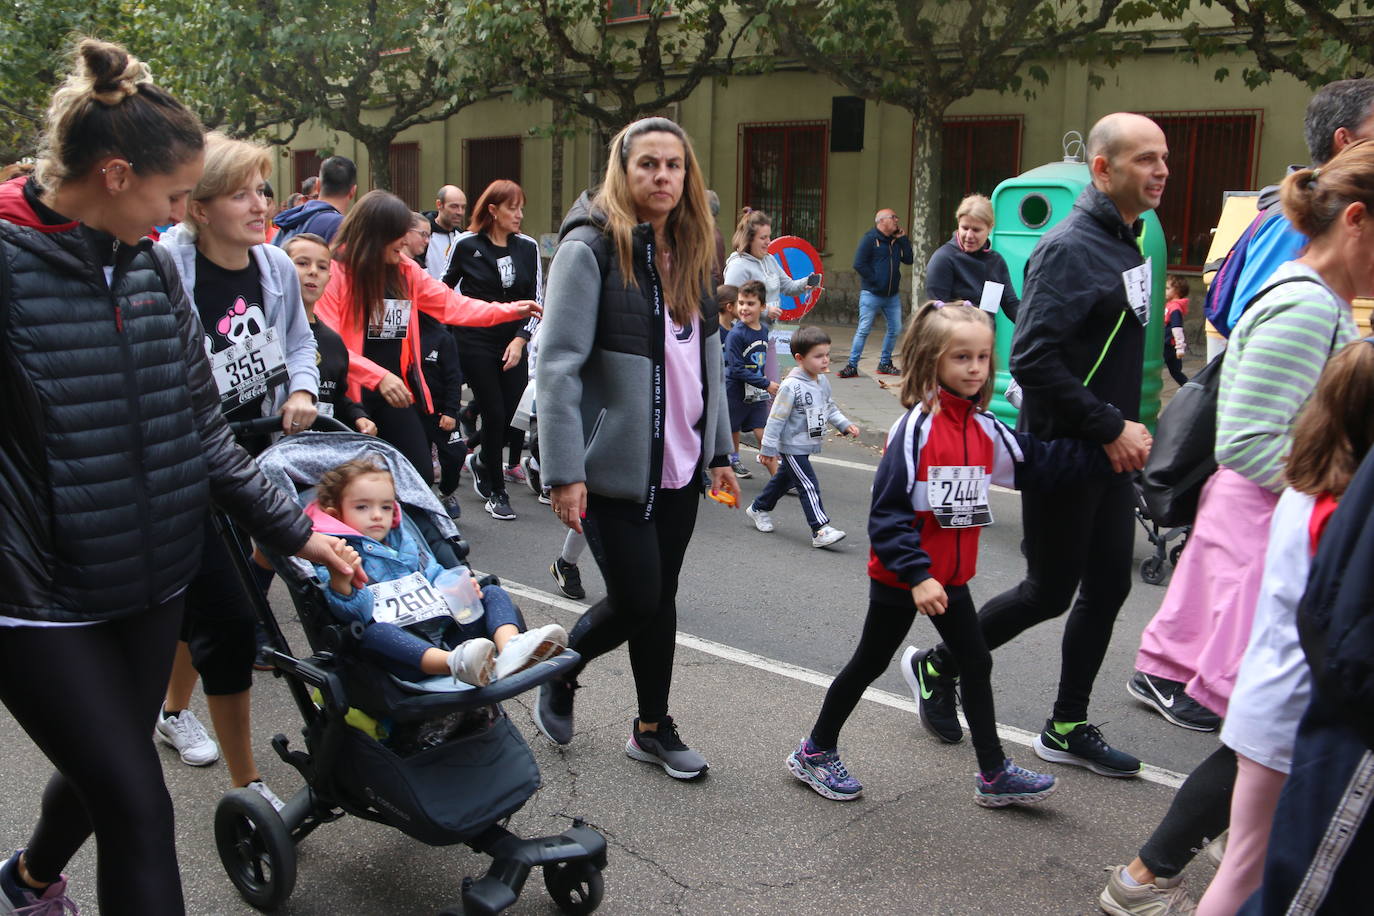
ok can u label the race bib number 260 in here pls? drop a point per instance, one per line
(407, 600)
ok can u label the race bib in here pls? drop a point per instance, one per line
(407, 600)
(248, 368)
(992, 297)
(815, 420)
(395, 323)
(325, 409)
(958, 495)
(1138, 283)
(754, 395)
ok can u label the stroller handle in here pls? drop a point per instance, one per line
(259, 426)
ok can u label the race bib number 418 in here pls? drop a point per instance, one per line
(958, 495)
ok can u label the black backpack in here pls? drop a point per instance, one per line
(1183, 455)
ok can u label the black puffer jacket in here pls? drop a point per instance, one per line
(113, 443)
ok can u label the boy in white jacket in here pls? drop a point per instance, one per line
(796, 427)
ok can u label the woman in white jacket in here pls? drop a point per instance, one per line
(262, 353)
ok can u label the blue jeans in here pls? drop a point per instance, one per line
(398, 650)
(869, 306)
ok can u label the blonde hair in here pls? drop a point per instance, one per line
(229, 164)
(976, 206)
(689, 226)
(923, 343)
(750, 222)
(108, 105)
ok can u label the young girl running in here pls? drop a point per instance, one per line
(930, 497)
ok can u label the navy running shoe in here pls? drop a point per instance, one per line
(1084, 746)
(936, 696)
(1013, 785)
(823, 771)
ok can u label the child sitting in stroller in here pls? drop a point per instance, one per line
(356, 502)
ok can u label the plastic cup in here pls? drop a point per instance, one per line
(461, 594)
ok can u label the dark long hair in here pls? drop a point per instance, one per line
(377, 220)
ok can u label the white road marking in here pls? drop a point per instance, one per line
(860, 466)
(1010, 733)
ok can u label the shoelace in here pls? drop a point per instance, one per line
(667, 735)
(831, 760)
(61, 905)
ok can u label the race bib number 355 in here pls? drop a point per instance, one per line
(407, 600)
(248, 368)
(958, 495)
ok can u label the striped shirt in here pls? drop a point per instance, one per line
(1274, 357)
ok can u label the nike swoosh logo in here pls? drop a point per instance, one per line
(921, 683)
(1062, 742)
(1166, 702)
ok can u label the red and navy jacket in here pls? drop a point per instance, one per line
(908, 545)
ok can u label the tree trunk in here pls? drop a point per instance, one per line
(926, 232)
(556, 170)
(379, 158)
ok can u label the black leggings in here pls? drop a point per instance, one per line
(88, 696)
(890, 614)
(1201, 810)
(407, 428)
(640, 562)
(219, 624)
(497, 392)
(1081, 538)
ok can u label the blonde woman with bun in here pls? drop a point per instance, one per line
(114, 447)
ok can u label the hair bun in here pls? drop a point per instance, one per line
(114, 73)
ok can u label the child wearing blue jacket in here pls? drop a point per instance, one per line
(747, 388)
(357, 502)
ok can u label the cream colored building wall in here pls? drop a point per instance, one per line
(879, 175)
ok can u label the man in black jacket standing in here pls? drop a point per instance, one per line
(1078, 354)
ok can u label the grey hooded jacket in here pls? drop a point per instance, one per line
(600, 349)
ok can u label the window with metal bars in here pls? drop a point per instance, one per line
(305, 163)
(488, 159)
(784, 172)
(405, 172)
(1209, 152)
(979, 153)
(625, 10)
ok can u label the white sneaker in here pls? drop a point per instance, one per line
(472, 661)
(184, 733)
(260, 787)
(527, 649)
(826, 536)
(761, 519)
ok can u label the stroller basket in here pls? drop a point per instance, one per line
(446, 794)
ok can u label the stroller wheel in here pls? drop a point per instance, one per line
(1152, 570)
(1176, 552)
(255, 848)
(577, 887)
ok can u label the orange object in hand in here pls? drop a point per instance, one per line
(724, 497)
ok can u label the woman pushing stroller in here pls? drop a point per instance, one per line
(356, 502)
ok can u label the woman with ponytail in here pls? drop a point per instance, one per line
(1195, 642)
(112, 449)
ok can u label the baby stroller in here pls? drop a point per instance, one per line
(453, 767)
(1154, 569)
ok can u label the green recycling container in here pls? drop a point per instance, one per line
(1025, 207)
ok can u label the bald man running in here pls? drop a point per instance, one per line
(1078, 353)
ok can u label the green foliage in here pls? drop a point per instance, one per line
(1316, 41)
(609, 72)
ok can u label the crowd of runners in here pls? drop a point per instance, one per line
(614, 384)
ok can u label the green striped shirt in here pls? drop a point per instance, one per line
(1273, 359)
